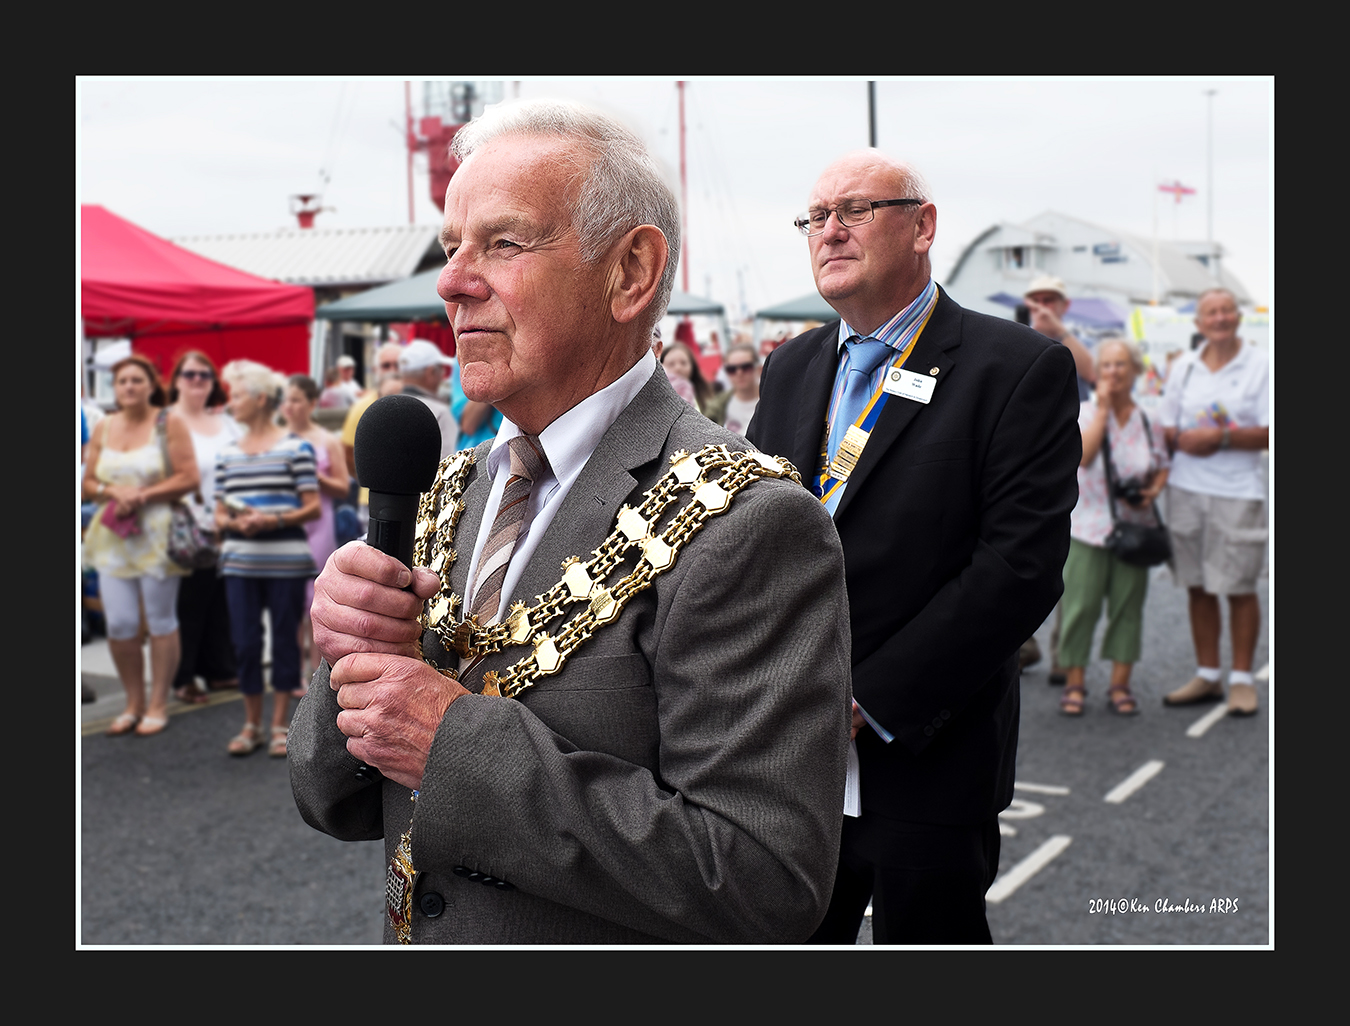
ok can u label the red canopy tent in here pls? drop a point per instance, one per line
(167, 299)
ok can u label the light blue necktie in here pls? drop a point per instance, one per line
(865, 356)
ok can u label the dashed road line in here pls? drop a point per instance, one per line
(1019, 785)
(1198, 728)
(1134, 782)
(1014, 878)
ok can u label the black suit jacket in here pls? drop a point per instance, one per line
(955, 526)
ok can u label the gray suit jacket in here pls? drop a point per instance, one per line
(680, 780)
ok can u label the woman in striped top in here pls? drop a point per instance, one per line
(266, 490)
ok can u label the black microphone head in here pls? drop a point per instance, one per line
(398, 446)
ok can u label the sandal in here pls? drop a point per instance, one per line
(1121, 702)
(247, 741)
(189, 695)
(124, 724)
(277, 748)
(1071, 701)
(151, 725)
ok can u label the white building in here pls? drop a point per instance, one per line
(1096, 263)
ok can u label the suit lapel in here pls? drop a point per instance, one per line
(817, 384)
(931, 352)
(587, 513)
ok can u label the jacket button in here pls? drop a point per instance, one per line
(431, 904)
(928, 731)
(937, 721)
(502, 885)
(946, 715)
(460, 871)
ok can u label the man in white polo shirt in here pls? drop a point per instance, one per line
(1216, 412)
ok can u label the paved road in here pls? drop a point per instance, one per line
(184, 845)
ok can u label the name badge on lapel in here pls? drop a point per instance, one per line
(908, 384)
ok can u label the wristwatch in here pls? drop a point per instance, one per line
(1225, 439)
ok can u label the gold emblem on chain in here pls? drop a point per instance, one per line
(709, 480)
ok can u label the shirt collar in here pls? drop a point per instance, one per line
(893, 328)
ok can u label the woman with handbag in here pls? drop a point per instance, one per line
(196, 395)
(140, 462)
(266, 491)
(1123, 470)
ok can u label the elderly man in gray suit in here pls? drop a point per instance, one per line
(616, 709)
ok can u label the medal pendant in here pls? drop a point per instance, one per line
(399, 889)
(850, 450)
(491, 687)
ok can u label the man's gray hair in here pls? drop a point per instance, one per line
(622, 186)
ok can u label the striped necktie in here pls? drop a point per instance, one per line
(528, 464)
(864, 356)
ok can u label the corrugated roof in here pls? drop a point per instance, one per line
(332, 257)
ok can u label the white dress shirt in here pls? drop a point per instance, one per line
(568, 443)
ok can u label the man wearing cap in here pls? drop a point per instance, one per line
(946, 446)
(422, 366)
(1047, 301)
(610, 705)
(347, 383)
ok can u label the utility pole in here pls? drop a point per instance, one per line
(1209, 187)
(872, 114)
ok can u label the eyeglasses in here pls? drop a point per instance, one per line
(388, 365)
(738, 367)
(195, 375)
(851, 213)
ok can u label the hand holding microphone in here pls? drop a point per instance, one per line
(397, 451)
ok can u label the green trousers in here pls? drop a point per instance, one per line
(1091, 575)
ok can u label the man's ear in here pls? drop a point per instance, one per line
(925, 228)
(640, 259)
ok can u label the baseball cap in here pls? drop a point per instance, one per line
(345, 361)
(1047, 283)
(420, 354)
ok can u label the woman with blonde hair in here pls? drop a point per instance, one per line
(266, 491)
(140, 461)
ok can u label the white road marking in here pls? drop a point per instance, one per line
(1019, 785)
(1261, 674)
(1006, 831)
(1014, 878)
(1134, 781)
(1198, 728)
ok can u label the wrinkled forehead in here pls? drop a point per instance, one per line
(535, 176)
(856, 178)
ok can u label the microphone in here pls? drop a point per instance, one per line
(397, 454)
(398, 451)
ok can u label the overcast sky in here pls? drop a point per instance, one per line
(217, 156)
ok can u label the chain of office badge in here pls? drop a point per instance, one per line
(636, 528)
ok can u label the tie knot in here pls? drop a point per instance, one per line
(866, 355)
(527, 457)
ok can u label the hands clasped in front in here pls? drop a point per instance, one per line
(365, 626)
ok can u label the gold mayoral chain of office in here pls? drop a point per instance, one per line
(708, 480)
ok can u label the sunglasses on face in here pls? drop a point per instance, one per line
(196, 375)
(738, 367)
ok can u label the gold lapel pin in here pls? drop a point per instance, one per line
(933, 371)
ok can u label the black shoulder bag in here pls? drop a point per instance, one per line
(1136, 544)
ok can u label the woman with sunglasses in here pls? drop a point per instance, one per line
(140, 462)
(733, 407)
(197, 398)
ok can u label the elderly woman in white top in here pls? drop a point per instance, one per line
(1216, 409)
(1092, 573)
